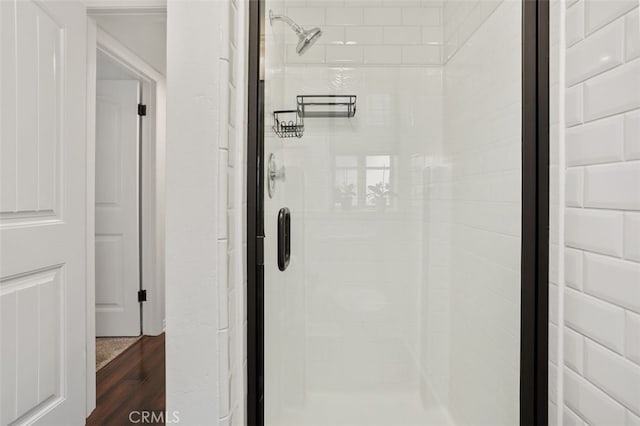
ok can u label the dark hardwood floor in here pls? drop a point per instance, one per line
(131, 384)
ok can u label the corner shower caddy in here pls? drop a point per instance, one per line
(290, 123)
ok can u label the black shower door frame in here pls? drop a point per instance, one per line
(534, 337)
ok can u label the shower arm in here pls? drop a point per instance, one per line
(295, 27)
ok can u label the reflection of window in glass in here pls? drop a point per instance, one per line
(378, 173)
(363, 181)
(378, 161)
(346, 181)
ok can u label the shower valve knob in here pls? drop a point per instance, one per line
(277, 174)
(274, 173)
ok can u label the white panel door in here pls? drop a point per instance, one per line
(117, 227)
(42, 212)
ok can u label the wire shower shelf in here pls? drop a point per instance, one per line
(326, 106)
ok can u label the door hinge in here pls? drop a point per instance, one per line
(142, 109)
(142, 295)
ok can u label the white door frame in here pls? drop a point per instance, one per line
(151, 195)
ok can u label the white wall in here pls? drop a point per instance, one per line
(595, 274)
(145, 35)
(206, 241)
(109, 69)
(232, 320)
(191, 239)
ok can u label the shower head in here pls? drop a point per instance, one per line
(306, 38)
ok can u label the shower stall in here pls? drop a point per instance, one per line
(386, 200)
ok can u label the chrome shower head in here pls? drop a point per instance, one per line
(306, 38)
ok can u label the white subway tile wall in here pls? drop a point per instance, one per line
(480, 197)
(574, 24)
(632, 135)
(461, 19)
(599, 140)
(231, 278)
(359, 32)
(631, 248)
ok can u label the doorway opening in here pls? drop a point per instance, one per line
(118, 215)
(125, 229)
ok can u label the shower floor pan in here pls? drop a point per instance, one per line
(366, 409)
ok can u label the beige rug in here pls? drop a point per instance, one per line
(107, 348)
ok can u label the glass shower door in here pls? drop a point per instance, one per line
(393, 141)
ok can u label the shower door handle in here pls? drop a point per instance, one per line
(284, 238)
